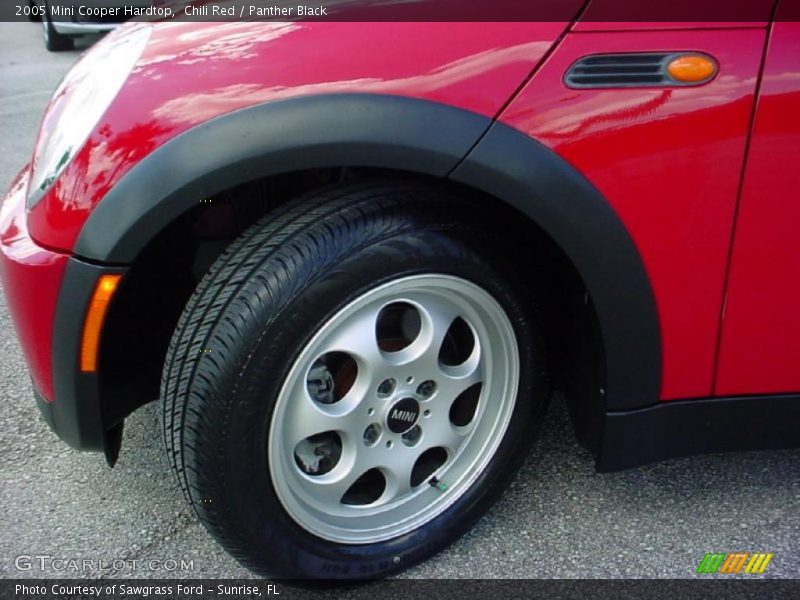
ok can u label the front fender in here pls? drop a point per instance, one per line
(411, 135)
(278, 137)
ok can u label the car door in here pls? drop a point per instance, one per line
(668, 160)
(760, 342)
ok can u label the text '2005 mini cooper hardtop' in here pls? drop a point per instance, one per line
(353, 278)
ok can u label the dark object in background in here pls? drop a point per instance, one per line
(62, 21)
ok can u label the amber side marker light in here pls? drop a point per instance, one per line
(692, 68)
(92, 327)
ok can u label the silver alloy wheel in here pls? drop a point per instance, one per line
(393, 409)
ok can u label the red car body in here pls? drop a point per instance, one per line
(697, 308)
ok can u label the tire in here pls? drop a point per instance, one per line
(54, 41)
(34, 18)
(261, 326)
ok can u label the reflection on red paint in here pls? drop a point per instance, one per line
(759, 349)
(31, 282)
(193, 72)
(668, 161)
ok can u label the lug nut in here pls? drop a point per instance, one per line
(371, 434)
(426, 389)
(411, 437)
(386, 388)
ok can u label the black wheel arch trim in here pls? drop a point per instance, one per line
(413, 135)
(77, 413)
(268, 139)
(519, 170)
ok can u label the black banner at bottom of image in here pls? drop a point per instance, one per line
(446, 589)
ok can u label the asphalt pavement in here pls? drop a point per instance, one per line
(559, 520)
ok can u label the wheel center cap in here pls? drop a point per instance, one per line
(403, 415)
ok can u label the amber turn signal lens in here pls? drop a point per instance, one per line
(95, 316)
(691, 68)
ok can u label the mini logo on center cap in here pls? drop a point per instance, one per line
(403, 415)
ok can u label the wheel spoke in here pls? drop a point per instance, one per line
(397, 469)
(441, 315)
(356, 336)
(330, 489)
(395, 464)
(356, 461)
(439, 432)
(455, 380)
(304, 419)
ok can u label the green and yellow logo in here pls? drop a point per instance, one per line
(719, 562)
